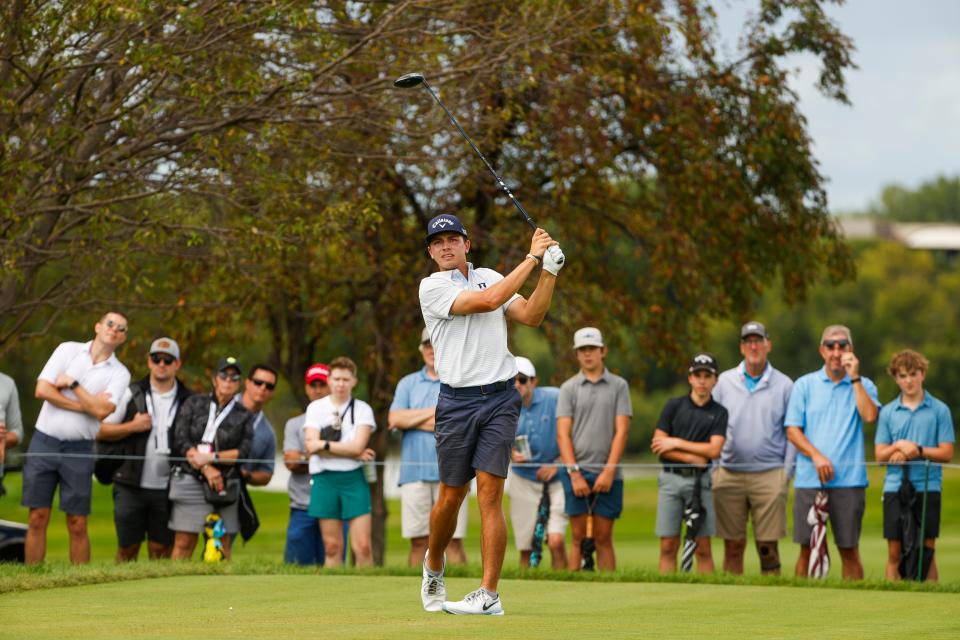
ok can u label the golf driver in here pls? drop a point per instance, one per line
(414, 79)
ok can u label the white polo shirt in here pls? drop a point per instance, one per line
(73, 359)
(322, 413)
(470, 349)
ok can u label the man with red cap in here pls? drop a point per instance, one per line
(304, 544)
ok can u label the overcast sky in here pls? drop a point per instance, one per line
(904, 122)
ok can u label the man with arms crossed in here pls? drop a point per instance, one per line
(825, 422)
(691, 430)
(593, 421)
(465, 311)
(913, 428)
(413, 412)
(143, 422)
(757, 460)
(80, 386)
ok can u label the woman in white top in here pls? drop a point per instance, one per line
(337, 429)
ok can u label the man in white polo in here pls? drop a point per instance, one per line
(80, 386)
(465, 311)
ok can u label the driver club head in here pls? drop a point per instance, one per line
(409, 80)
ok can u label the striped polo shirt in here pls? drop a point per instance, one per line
(470, 349)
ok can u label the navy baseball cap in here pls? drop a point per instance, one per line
(443, 223)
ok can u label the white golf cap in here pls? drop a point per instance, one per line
(526, 368)
(424, 336)
(168, 346)
(587, 337)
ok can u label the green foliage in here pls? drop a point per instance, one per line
(937, 200)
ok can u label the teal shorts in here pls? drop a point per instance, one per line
(339, 495)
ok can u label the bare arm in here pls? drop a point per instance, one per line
(677, 455)
(110, 431)
(49, 392)
(804, 446)
(295, 461)
(531, 312)
(865, 406)
(257, 478)
(352, 449)
(565, 440)
(422, 419)
(487, 300)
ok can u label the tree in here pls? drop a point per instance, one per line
(269, 155)
(936, 200)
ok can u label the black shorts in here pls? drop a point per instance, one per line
(891, 515)
(46, 468)
(475, 433)
(141, 513)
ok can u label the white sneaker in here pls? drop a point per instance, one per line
(432, 589)
(475, 603)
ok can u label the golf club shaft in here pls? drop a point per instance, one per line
(503, 186)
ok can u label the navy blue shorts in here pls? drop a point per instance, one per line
(608, 505)
(475, 433)
(42, 474)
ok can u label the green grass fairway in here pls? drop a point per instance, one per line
(292, 606)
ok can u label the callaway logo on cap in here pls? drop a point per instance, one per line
(703, 362)
(443, 223)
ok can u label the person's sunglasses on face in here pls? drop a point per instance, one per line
(830, 344)
(522, 379)
(232, 377)
(263, 383)
(160, 358)
(116, 326)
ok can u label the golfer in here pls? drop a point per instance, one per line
(477, 412)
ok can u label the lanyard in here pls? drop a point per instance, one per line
(214, 420)
(161, 428)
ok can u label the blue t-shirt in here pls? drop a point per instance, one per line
(539, 423)
(827, 413)
(264, 445)
(928, 425)
(418, 450)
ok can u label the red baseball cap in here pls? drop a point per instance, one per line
(318, 371)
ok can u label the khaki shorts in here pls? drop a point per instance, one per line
(524, 501)
(761, 495)
(416, 503)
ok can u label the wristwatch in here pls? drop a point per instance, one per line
(74, 384)
(919, 451)
(326, 445)
(573, 468)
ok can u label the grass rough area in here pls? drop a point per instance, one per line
(339, 606)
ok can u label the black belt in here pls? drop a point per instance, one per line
(480, 390)
(689, 472)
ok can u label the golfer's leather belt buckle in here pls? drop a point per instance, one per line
(480, 390)
(683, 471)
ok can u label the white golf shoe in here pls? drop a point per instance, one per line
(433, 591)
(476, 603)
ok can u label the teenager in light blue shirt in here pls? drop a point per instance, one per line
(914, 429)
(824, 422)
(413, 412)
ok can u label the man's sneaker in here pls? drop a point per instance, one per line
(432, 590)
(475, 603)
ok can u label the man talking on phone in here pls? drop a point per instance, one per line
(824, 422)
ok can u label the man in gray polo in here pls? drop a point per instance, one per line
(11, 422)
(465, 311)
(757, 460)
(593, 420)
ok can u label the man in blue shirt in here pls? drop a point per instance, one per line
(824, 422)
(536, 443)
(413, 412)
(257, 392)
(914, 428)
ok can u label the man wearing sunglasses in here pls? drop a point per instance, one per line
(258, 391)
(141, 428)
(80, 385)
(824, 422)
(536, 444)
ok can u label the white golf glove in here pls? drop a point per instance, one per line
(553, 260)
